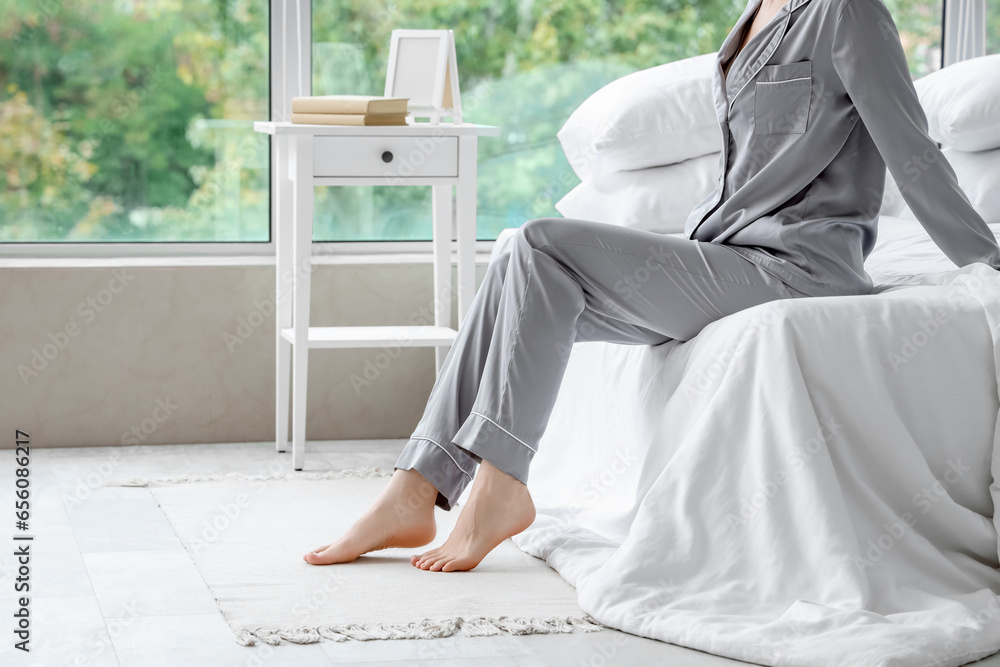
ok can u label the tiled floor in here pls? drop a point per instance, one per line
(112, 584)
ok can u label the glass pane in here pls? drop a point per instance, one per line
(993, 26)
(919, 24)
(131, 121)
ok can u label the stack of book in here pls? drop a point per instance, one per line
(349, 110)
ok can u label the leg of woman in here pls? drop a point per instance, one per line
(430, 470)
(571, 281)
(641, 287)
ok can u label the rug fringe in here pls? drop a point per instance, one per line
(425, 629)
(186, 479)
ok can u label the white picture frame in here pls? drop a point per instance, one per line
(423, 67)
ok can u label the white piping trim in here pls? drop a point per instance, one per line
(801, 78)
(420, 437)
(505, 430)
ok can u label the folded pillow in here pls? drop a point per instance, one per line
(656, 199)
(979, 177)
(657, 116)
(962, 103)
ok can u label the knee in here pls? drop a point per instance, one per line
(539, 231)
(497, 268)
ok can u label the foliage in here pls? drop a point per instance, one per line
(130, 120)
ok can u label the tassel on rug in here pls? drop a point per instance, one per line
(425, 629)
(186, 479)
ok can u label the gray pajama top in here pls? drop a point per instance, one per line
(814, 108)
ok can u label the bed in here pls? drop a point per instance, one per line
(808, 482)
(804, 481)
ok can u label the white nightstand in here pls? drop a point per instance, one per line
(313, 155)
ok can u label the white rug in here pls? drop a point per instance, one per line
(247, 534)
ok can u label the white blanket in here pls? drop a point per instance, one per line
(806, 482)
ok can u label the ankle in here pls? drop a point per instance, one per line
(490, 475)
(410, 493)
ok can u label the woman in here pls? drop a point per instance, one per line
(815, 99)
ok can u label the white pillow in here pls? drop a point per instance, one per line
(657, 199)
(979, 177)
(962, 103)
(653, 117)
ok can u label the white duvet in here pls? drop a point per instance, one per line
(807, 482)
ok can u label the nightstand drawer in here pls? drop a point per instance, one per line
(392, 157)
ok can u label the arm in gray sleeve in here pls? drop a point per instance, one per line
(870, 61)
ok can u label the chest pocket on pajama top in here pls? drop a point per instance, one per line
(781, 98)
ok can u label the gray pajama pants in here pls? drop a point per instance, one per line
(563, 281)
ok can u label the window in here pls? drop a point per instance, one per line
(131, 121)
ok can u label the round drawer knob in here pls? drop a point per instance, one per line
(387, 156)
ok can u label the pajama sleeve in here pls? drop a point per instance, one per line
(869, 59)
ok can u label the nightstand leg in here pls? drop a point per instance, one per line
(283, 288)
(466, 227)
(441, 211)
(302, 261)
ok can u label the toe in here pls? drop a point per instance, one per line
(428, 555)
(326, 556)
(458, 565)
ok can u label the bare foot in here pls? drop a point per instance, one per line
(403, 516)
(499, 506)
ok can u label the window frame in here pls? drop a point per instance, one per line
(289, 23)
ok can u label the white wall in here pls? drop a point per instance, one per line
(100, 356)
